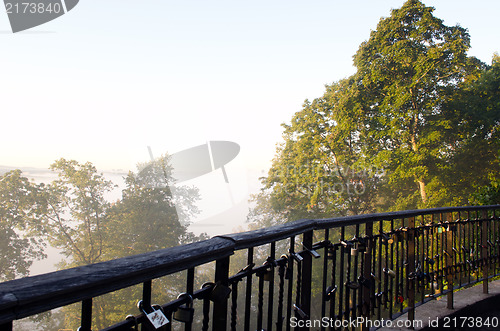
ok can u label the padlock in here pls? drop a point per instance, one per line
(219, 293)
(389, 272)
(385, 238)
(354, 251)
(399, 298)
(331, 252)
(352, 285)
(267, 275)
(362, 244)
(132, 318)
(311, 251)
(395, 238)
(185, 313)
(368, 283)
(301, 314)
(155, 316)
(330, 291)
(297, 257)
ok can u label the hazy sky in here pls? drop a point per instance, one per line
(112, 77)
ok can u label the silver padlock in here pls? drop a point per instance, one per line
(156, 316)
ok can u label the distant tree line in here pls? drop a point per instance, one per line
(71, 214)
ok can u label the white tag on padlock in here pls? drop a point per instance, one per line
(157, 318)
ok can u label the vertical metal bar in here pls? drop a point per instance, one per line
(341, 272)
(248, 295)
(401, 263)
(422, 257)
(355, 271)
(379, 262)
(189, 289)
(281, 290)
(347, 289)
(333, 296)
(484, 250)
(469, 257)
(291, 250)
(272, 255)
(305, 298)
(220, 308)
(449, 262)
(86, 324)
(391, 282)
(325, 275)
(410, 272)
(234, 306)
(260, 302)
(146, 300)
(367, 261)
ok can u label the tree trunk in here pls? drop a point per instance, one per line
(423, 195)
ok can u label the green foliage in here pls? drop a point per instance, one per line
(416, 126)
(18, 208)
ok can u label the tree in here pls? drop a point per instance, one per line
(18, 207)
(318, 171)
(405, 72)
(415, 126)
(74, 219)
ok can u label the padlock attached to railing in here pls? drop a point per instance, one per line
(330, 291)
(299, 312)
(185, 313)
(219, 293)
(155, 316)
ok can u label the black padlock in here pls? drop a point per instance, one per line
(185, 313)
(368, 283)
(220, 293)
(299, 312)
(330, 291)
(362, 244)
(132, 318)
(352, 285)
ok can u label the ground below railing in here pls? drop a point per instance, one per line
(473, 309)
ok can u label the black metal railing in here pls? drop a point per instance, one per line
(300, 275)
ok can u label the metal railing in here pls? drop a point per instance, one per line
(294, 275)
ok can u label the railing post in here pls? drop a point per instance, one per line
(305, 287)
(484, 250)
(449, 262)
(410, 272)
(86, 324)
(367, 267)
(220, 307)
(146, 300)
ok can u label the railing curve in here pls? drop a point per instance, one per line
(363, 267)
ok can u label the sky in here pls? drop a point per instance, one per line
(112, 77)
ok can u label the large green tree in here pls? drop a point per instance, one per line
(415, 126)
(405, 72)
